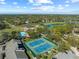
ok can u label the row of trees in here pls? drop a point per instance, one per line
(21, 19)
(3, 25)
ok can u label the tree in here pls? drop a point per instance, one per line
(64, 46)
(15, 34)
(2, 25)
(6, 36)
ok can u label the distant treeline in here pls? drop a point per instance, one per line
(6, 20)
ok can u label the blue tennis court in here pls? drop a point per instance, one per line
(37, 42)
(42, 48)
(39, 46)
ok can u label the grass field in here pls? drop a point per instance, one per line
(16, 28)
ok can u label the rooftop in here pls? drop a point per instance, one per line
(21, 55)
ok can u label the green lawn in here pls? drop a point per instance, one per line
(17, 28)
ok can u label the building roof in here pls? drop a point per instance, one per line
(39, 46)
(21, 55)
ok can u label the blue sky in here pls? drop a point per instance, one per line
(39, 6)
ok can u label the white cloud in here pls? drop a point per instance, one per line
(24, 7)
(40, 1)
(2, 0)
(43, 1)
(67, 5)
(36, 4)
(60, 7)
(74, 1)
(43, 8)
(18, 7)
(15, 3)
(67, 1)
(31, 1)
(50, 8)
(2, 3)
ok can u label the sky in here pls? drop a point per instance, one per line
(39, 6)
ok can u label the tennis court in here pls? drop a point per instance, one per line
(39, 46)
